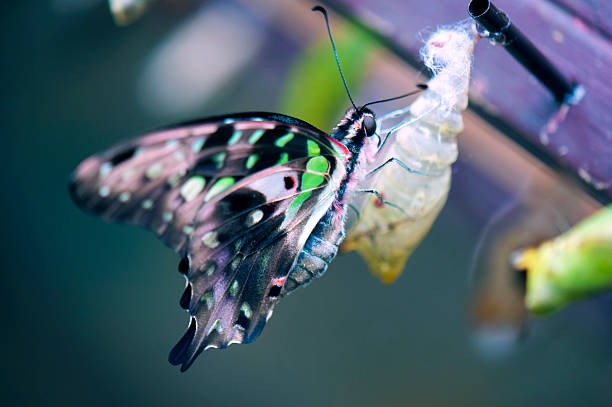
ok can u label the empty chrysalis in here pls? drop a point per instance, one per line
(423, 137)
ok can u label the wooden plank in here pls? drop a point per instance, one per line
(506, 94)
(597, 14)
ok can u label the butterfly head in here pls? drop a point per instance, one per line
(356, 126)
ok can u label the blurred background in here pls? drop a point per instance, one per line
(91, 309)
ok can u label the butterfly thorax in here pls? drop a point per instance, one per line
(351, 132)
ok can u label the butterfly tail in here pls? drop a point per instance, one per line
(193, 342)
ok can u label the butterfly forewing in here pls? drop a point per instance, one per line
(161, 179)
(237, 196)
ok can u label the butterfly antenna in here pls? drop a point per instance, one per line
(324, 12)
(420, 86)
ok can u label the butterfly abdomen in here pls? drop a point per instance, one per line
(319, 250)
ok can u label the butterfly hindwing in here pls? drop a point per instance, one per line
(237, 196)
(241, 250)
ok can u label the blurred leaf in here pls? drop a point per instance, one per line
(313, 90)
(574, 265)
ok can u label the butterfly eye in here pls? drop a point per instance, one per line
(369, 125)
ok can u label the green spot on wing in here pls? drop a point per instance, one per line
(256, 136)
(252, 160)
(235, 137)
(296, 203)
(282, 141)
(313, 148)
(197, 145)
(283, 158)
(310, 180)
(219, 158)
(221, 185)
(318, 164)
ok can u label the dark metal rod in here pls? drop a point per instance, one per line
(502, 31)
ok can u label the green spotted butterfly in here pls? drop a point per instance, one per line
(254, 203)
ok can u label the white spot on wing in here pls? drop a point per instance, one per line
(215, 325)
(254, 217)
(154, 171)
(246, 309)
(207, 299)
(233, 288)
(104, 191)
(192, 187)
(208, 270)
(124, 196)
(210, 240)
(105, 169)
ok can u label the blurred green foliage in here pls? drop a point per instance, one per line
(574, 265)
(313, 90)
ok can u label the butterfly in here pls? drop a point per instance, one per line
(254, 203)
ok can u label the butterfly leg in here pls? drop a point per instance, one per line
(382, 201)
(356, 211)
(401, 164)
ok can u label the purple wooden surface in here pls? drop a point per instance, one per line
(503, 88)
(596, 13)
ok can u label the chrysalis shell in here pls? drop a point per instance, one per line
(424, 137)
